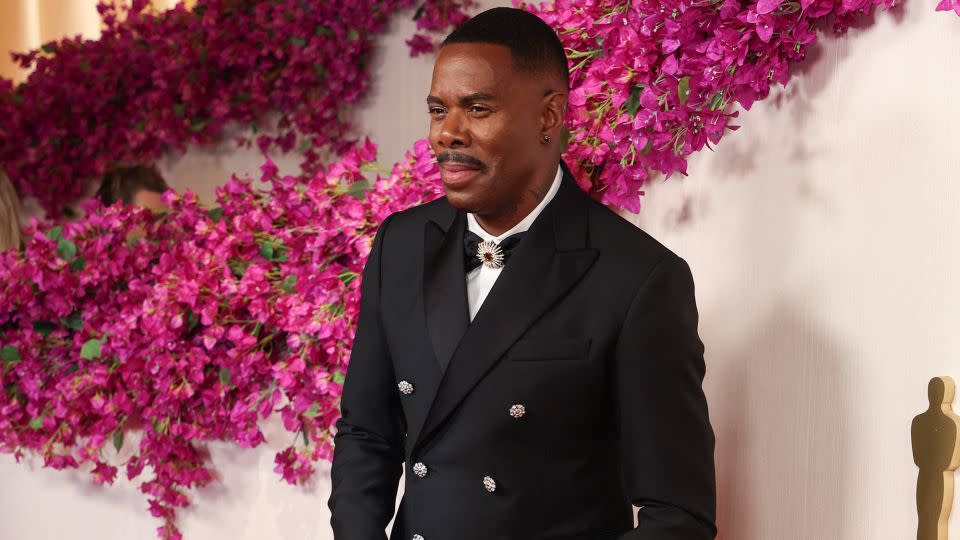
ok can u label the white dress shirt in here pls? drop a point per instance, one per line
(480, 280)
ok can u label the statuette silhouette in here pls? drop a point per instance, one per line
(936, 451)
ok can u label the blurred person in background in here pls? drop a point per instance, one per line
(137, 185)
(9, 215)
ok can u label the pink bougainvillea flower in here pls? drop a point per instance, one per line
(947, 5)
(197, 327)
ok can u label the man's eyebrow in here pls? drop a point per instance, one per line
(469, 98)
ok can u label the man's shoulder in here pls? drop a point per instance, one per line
(413, 218)
(613, 235)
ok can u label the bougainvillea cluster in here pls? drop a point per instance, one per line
(159, 81)
(434, 17)
(653, 81)
(194, 324)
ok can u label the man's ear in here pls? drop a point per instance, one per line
(553, 112)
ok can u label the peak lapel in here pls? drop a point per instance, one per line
(444, 286)
(549, 262)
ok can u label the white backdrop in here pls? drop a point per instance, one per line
(823, 239)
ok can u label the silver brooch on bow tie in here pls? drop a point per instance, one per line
(490, 254)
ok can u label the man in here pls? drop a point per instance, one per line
(527, 357)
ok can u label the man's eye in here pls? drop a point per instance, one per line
(478, 109)
(436, 110)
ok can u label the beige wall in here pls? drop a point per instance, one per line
(823, 239)
(27, 24)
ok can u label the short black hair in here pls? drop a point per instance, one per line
(534, 46)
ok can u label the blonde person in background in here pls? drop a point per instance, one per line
(9, 215)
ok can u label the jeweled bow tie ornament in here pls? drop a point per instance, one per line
(490, 254)
(479, 252)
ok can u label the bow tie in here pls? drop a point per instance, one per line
(478, 251)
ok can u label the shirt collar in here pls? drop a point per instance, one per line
(524, 223)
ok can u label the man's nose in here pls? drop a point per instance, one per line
(453, 131)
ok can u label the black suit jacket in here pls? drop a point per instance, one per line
(591, 328)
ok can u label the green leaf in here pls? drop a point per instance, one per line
(339, 377)
(55, 234)
(192, 320)
(37, 423)
(352, 34)
(683, 89)
(289, 284)
(225, 376)
(267, 251)
(633, 102)
(48, 48)
(320, 70)
(197, 124)
(78, 264)
(313, 411)
(91, 349)
(74, 321)
(238, 267)
(303, 145)
(358, 189)
(419, 13)
(216, 214)
(118, 439)
(140, 126)
(298, 41)
(178, 110)
(44, 328)
(646, 149)
(717, 102)
(9, 353)
(322, 30)
(273, 250)
(347, 276)
(66, 249)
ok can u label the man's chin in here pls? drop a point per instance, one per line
(462, 200)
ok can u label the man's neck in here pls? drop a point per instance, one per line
(498, 223)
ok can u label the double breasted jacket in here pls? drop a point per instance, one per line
(573, 395)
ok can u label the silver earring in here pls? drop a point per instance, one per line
(546, 138)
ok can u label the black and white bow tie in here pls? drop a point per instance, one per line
(477, 251)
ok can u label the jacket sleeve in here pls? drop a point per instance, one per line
(368, 453)
(667, 441)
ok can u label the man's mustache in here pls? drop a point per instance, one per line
(459, 157)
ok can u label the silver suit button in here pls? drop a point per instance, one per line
(405, 387)
(518, 410)
(419, 469)
(489, 484)
(417, 537)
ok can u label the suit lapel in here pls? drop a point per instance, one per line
(444, 285)
(551, 259)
